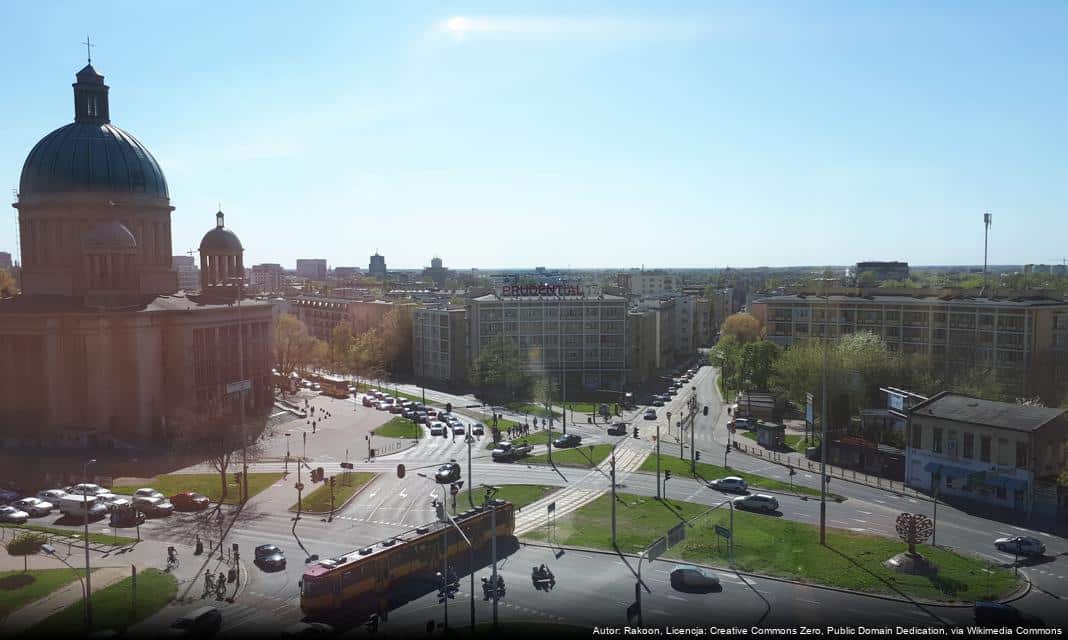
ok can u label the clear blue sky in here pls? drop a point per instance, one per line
(598, 134)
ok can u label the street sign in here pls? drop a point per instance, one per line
(552, 506)
(808, 408)
(299, 486)
(676, 534)
(240, 385)
(657, 549)
(346, 465)
(723, 532)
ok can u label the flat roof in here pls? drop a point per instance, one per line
(607, 297)
(30, 304)
(1002, 415)
(918, 300)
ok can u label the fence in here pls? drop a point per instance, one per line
(849, 475)
(73, 542)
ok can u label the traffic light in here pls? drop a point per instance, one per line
(706, 410)
(237, 555)
(696, 455)
(331, 482)
(728, 448)
(635, 432)
(667, 475)
(448, 407)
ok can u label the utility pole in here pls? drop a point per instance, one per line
(987, 219)
(693, 424)
(614, 497)
(823, 437)
(658, 494)
(241, 394)
(470, 485)
(88, 583)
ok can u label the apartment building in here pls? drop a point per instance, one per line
(188, 274)
(575, 331)
(1024, 340)
(312, 268)
(267, 277)
(1002, 454)
(652, 284)
(439, 344)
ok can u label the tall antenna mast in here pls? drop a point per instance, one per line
(987, 217)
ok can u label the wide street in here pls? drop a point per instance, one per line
(591, 587)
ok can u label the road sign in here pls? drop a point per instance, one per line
(240, 385)
(723, 532)
(808, 408)
(552, 506)
(676, 534)
(346, 465)
(657, 549)
(299, 486)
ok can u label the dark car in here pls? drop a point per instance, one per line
(568, 440)
(618, 429)
(126, 518)
(368, 401)
(447, 473)
(307, 630)
(190, 501)
(198, 623)
(8, 496)
(997, 614)
(269, 556)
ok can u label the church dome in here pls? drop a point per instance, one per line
(110, 236)
(220, 239)
(91, 154)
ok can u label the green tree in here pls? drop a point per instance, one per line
(727, 357)
(292, 345)
(25, 545)
(340, 345)
(757, 360)
(498, 373)
(743, 326)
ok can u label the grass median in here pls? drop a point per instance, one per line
(75, 534)
(519, 495)
(18, 588)
(114, 607)
(793, 442)
(535, 438)
(207, 484)
(706, 472)
(318, 500)
(400, 427)
(580, 456)
(774, 546)
(532, 409)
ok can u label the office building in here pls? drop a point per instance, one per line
(188, 274)
(567, 332)
(376, 268)
(1024, 341)
(439, 344)
(1000, 454)
(651, 284)
(436, 273)
(312, 269)
(5, 260)
(267, 278)
(880, 271)
(346, 274)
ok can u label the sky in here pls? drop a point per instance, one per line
(574, 134)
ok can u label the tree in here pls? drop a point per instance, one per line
(498, 372)
(757, 360)
(340, 344)
(25, 545)
(727, 357)
(292, 345)
(396, 335)
(7, 284)
(743, 326)
(367, 354)
(318, 353)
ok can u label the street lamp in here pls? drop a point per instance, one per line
(88, 584)
(658, 496)
(50, 550)
(287, 452)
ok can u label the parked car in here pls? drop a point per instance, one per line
(383, 405)
(1024, 545)
(996, 614)
(687, 575)
(730, 483)
(33, 506)
(190, 501)
(422, 417)
(198, 623)
(126, 517)
(396, 408)
(316, 387)
(618, 429)
(153, 506)
(437, 428)
(650, 414)
(478, 429)
(11, 514)
(307, 630)
(269, 556)
(447, 473)
(76, 506)
(86, 489)
(657, 402)
(8, 496)
(368, 401)
(148, 493)
(568, 440)
(114, 501)
(51, 495)
(757, 502)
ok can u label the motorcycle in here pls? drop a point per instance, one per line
(542, 577)
(487, 588)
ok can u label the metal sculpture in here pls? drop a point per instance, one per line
(914, 529)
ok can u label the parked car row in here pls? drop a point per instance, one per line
(90, 499)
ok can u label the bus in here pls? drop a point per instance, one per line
(364, 577)
(334, 386)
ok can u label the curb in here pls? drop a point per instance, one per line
(1016, 595)
(343, 504)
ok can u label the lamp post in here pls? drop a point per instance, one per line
(287, 453)
(693, 424)
(470, 485)
(88, 583)
(50, 550)
(658, 496)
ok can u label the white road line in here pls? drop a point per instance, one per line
(867, 513)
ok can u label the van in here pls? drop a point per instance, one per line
(77, 506)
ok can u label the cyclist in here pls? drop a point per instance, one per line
(172, 556)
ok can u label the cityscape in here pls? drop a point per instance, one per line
(413, 419)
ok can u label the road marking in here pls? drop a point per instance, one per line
(867, 513)
(860, 521)
(677, 598)
(809, 601)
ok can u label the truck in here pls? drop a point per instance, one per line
(510, 451)
(76, 506)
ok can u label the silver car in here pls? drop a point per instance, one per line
(757, 502)
(148, 493)
(51, 495)
(11, 514)
(730, 483)
(114, 501)
(33, 506)
(1023, 545)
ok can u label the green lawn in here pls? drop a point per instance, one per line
(793, 442)
(583, 407)
(318, 500)
(535, 438)
(579, 456)
(518, 494)
(96, 538)
(207, 484)
(770, 545)
(711, 472)
(112, 608)
(18, 589)
(400, 427)
(531, 408)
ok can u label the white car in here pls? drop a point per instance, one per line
(148, 493)
(86, 489)
(1024, 545)
(457, 428)
(757, 502)
(383, 405)
(153, 506)
(11, 514)
(730, 483)
(51, 495)
(33, 506)
(114, 501)
(437, 428)
(687, 575)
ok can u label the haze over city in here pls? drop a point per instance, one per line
(587, 134)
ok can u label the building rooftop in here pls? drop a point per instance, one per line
(32, 304)
(493, 297)
(924, 299)
(1002, 415)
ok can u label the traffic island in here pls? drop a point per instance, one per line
(347, 486)
(708, 472)
(206, 484)
(583, 456)
(772, 546)
(520, 495)
(399, 428)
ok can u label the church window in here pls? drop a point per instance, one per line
(91, 107)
